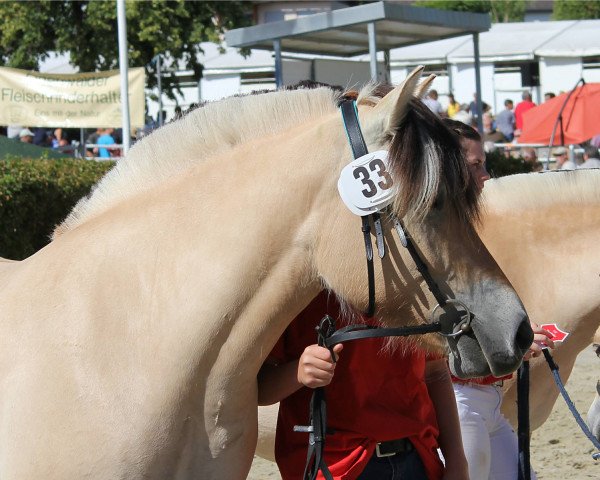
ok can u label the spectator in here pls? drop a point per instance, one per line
(432, 102)
(453, 106)
(57, 138)
(590, 157)
(474, 109)
(562, 159)
(530, 156)
(549, 96)
(520, 109)
(41, 137)
(105, 138)
(92, 139)
(13, 131)
(505, 121)
(26, 136)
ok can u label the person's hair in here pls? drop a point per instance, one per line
(526, 96)
(549, 95)
(508, 102)
(590, 151)
(462, 129)
(433, 93)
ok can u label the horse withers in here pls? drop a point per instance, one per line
(130, 345)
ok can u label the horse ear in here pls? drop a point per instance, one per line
(424, 86)
(391, 109)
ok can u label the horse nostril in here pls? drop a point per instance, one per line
(524, 336)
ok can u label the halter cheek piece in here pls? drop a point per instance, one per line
(450, 317)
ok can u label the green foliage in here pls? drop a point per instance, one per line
(498, 165)
(87, 30)
(500, 10)
(36, 195)
(576, 9)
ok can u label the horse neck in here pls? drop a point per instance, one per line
(241, 228)
(550, 255)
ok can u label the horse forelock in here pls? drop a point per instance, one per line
(532, 191)
(203, 132)
(427, 161)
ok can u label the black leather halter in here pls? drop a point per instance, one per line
(451, 323)
(448, 326)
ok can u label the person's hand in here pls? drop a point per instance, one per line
(541, 338)
(315, 366)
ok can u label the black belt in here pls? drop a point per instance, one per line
(392, 447)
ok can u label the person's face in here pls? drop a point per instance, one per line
(27, 139)
(475, 156)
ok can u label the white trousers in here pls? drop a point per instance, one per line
(490, 443)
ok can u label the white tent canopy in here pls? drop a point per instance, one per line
(510, 42)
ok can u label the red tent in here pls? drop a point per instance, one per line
(580, 118)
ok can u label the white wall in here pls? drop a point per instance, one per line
(463, 81)
(215, 87)
(559, 74)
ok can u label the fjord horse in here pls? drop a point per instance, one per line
(130, 345)
(543, 229)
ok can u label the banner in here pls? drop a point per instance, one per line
(82, 100)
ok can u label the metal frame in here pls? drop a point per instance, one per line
(363, 29)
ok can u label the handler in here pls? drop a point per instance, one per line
(490, 443)
(389, 407)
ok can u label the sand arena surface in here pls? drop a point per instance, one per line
(559, 450)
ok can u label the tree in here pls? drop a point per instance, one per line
(576, 9)
(87, 30)
(500, 10)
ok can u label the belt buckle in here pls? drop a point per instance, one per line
(382, 455)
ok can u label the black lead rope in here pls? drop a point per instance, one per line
(523, 421)
(523, 414)
(554, 368)
(328, 336)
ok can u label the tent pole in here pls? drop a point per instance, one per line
(278, 63)
(373, 50)
(123, 67)
(478, 102)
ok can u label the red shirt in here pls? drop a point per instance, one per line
(520, 109)
(376, 395)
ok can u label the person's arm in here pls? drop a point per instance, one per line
(439, 385)
(313, 369)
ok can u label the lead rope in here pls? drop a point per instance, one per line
(523, 414)
(554, 369)
(523, 421)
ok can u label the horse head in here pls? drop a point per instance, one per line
(438, 203)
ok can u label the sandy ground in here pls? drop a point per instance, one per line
(559, 449)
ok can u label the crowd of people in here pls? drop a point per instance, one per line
(506, 127)
(63, 140)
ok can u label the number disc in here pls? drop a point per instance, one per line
(366, 185)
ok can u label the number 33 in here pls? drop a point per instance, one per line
(378, 167)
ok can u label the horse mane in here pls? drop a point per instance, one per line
(428, 162)
(182, 144)
(535, 190)
(425, 154)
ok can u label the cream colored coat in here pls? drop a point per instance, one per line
(129, 346)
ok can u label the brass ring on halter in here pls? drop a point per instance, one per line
(463, 326)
